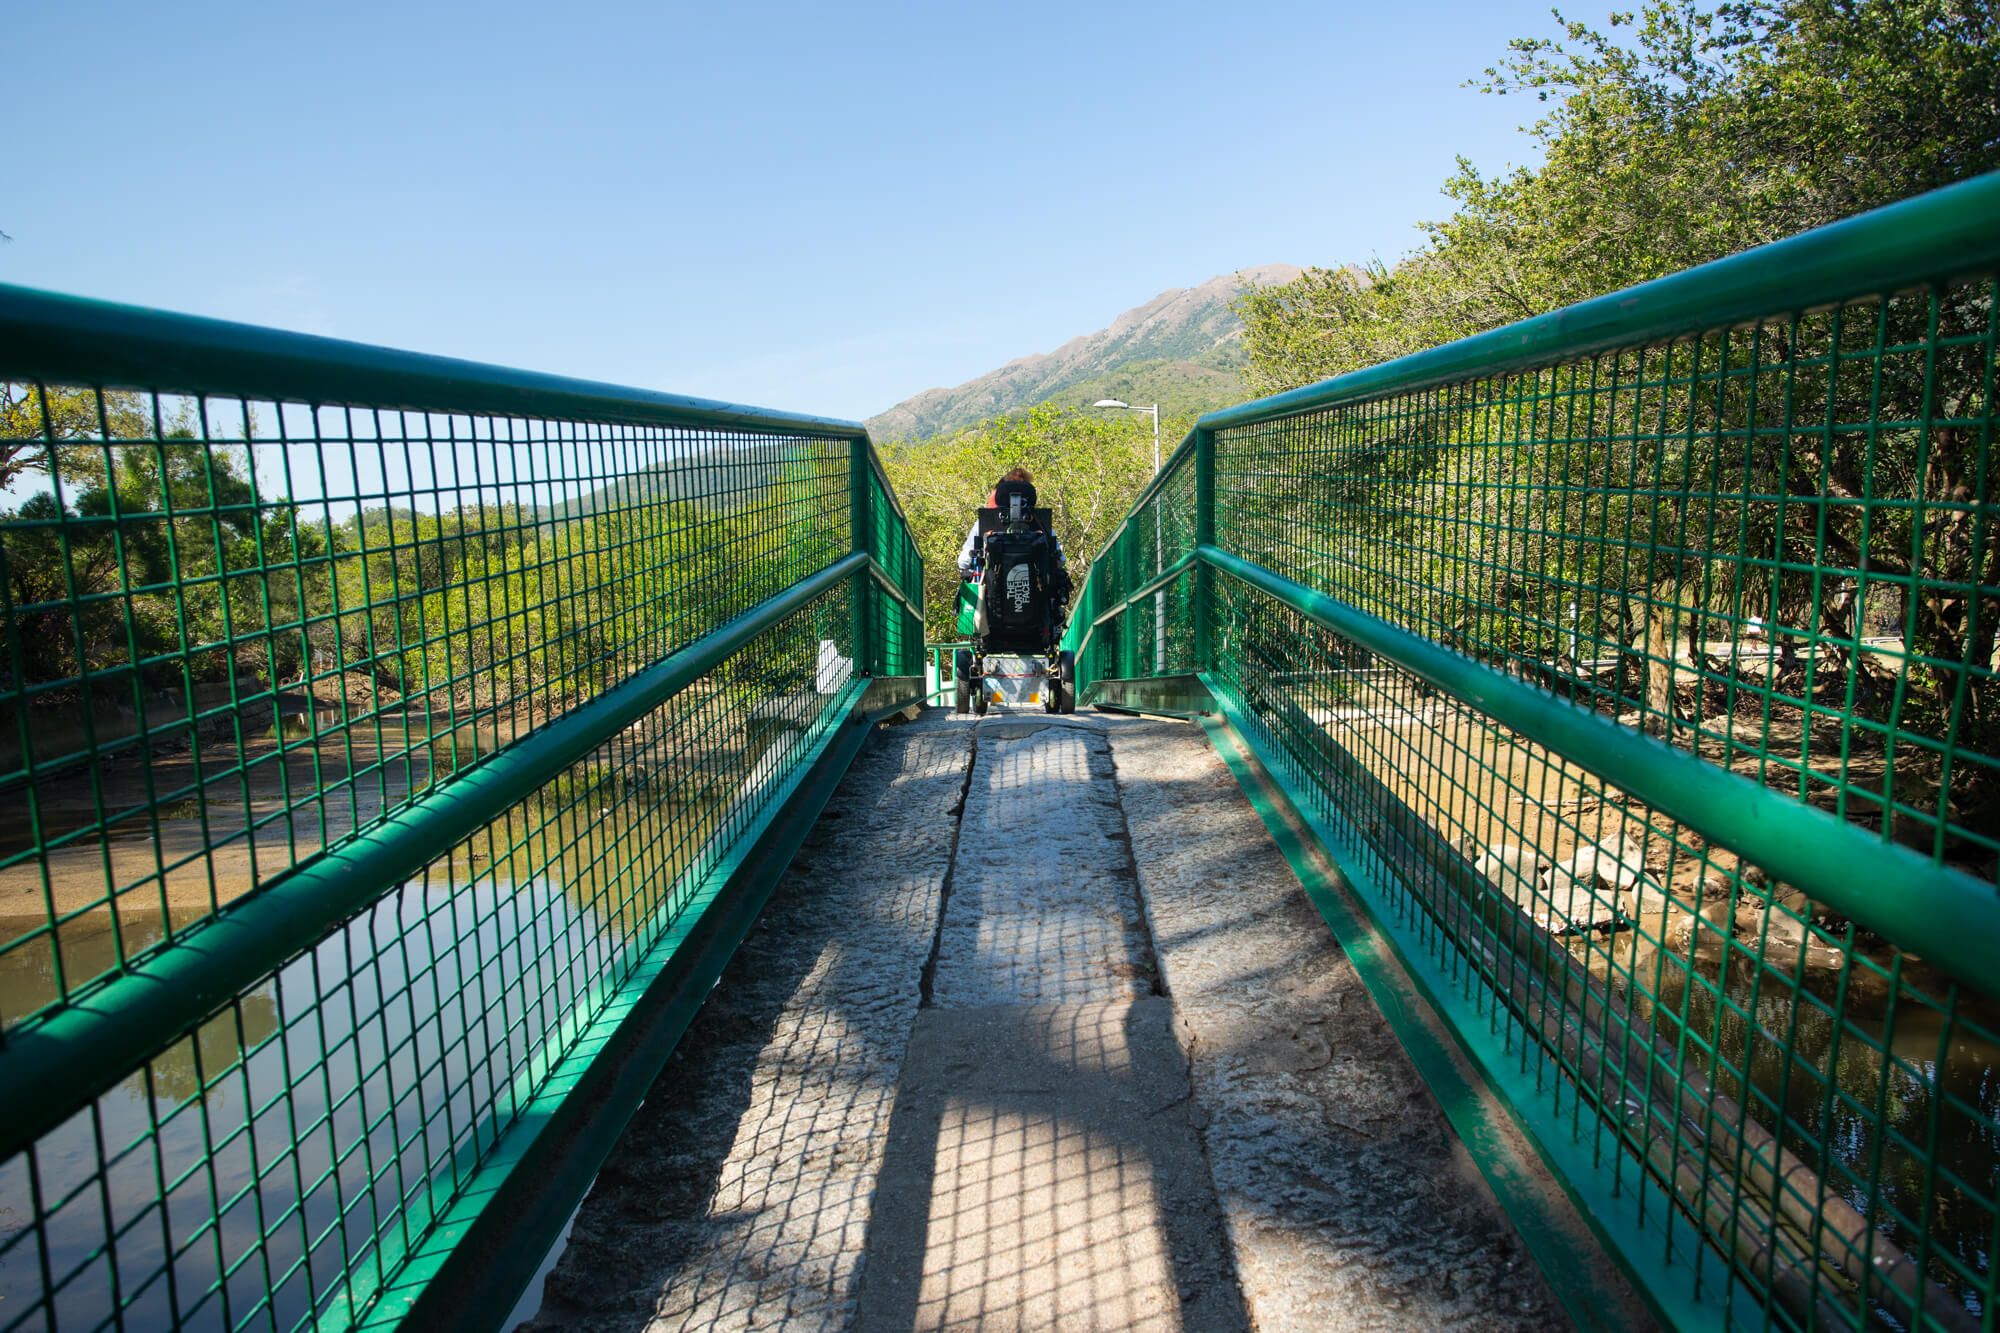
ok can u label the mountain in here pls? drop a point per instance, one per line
(1182, 349)
(724, 476)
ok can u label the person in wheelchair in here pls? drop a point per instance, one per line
(1020, 600)
(971, 553)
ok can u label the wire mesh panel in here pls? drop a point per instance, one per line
(226, 652)
(274, 1166)
(1153, 637)
(895, 547)
(1769, 546)
(1768, 542)
(245, 632)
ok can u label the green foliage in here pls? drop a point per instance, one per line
(1181, 388)
(1088, 467)
(150, 516)
(1705, 132)
(1709, 131)
(152, 562)
(32, 420)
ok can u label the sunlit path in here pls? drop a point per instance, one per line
(952, 1083)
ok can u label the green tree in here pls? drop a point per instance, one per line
(34, 419)
(1088, 467)
(1708, 131)
(1694, 133)
(155, 552)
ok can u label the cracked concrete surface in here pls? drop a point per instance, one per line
(1043, 1168)
(947, 1082)
(738, 1196)
(1351, 1203)
(1043, 904)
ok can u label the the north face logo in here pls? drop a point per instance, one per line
(1017, 590)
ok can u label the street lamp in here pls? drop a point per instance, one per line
(1159, 556)
(1127, 407)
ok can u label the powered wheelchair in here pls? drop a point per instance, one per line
(1017, 608)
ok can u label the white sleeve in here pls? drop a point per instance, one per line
(965, 552)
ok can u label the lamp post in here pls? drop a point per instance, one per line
(1124, 406)
(1159, 556)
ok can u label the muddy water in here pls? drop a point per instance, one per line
(301, 1114)
(215, 840)
(359, 1072)
(1862, 1096)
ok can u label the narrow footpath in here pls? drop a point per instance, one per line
(1040, 1031)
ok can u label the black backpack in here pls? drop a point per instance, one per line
(1016, 597)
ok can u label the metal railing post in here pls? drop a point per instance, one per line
(1128, 624)
(861, 518)
(1204, 536)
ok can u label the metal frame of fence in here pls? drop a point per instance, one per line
(396, 750)
(1625, 685)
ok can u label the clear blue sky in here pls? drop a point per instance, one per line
(820, 207)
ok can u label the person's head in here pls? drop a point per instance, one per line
(1018, 474)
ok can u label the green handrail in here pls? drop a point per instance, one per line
(1940, 913)
(73, 340)
(711, 797)
(1374, 598)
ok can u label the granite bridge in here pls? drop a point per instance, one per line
(486, 849)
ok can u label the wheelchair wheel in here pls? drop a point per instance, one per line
(961, 675)
(979, 697)
(1065, 691)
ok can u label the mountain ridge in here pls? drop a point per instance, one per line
(1183, 337)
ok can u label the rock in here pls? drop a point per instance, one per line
(1768, 922)
(1512, 869)
(1782, 953)
(1575, 896)
(1713, 917)
(1521, 878)
(1619, 862)
(1715, 891)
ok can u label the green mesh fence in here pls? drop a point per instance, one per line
(374, 730)
(1641, 667)
(901, 640)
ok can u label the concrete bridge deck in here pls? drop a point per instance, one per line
(1041, 1031)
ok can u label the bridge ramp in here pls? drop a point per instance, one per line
(1040, 1031)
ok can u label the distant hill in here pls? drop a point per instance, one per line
(723, 475)
(1182, 349)
(1177, 386)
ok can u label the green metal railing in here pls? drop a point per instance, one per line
(394, 751)
(943, 670)
(1638, 668)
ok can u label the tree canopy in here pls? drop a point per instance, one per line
(1684, 134)
(1088, 467)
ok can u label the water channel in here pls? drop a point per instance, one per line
(255, 1188)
